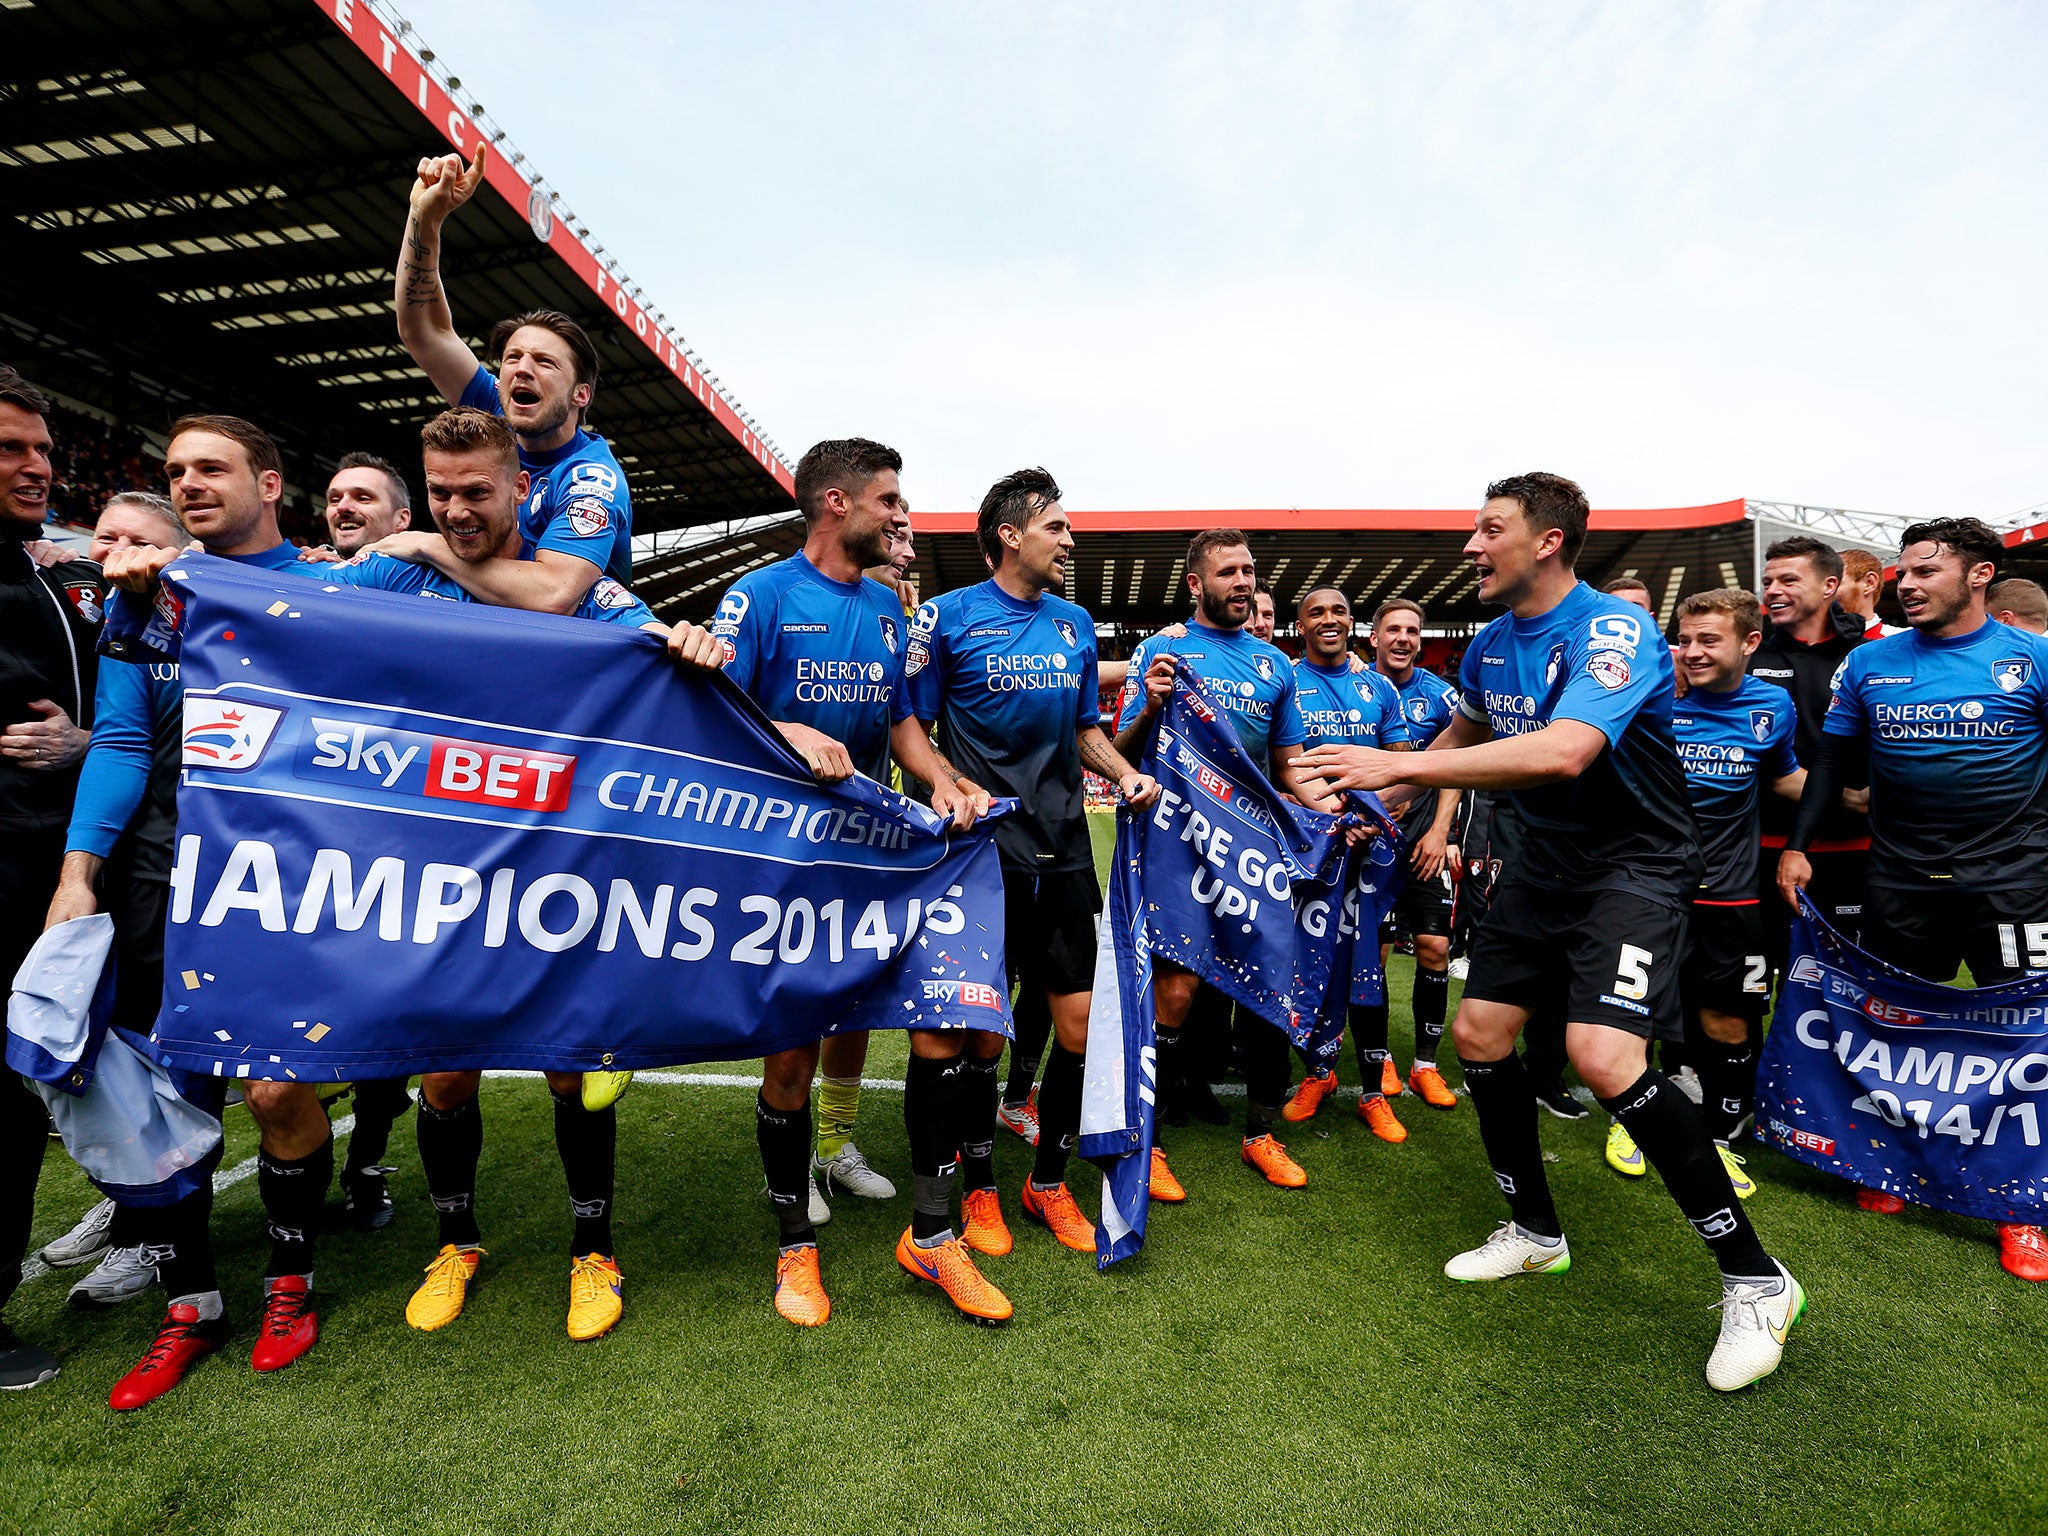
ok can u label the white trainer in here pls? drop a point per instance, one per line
(820, 1211)
(123, 1274)
(1753, 1329)
(1509, 1252)
(88, 1240)
(851, 1172)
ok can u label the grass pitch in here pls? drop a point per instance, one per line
(1287, 1361)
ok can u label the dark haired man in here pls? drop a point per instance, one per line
(821, 650)
(1260, 626)
(1427, 904)
(1006, 672)
(1566, 703)
(1808, 636)
(49, 623)
(1734, 736)
(578, 516)
(1253, 683)
(1339, 704)
(1630, 589)
(226, 483)
(366, 501)
(1950, 722)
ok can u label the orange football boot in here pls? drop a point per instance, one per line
(984, 1231)
(1390, 1078)
(1055, 1210)
(800, 1288)
(1308, 1098)
(1266, 1154)
(1430, 1085)
(1376, 1112)
(1163, 1185)
(948, 1266)
(2022, 1251)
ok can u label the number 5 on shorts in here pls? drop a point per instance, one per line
(1632, 976)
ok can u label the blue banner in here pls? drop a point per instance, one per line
(1928, 1092)
(1267, 902)
(416, 836)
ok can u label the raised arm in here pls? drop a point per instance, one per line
(551, 582)
(425, 325)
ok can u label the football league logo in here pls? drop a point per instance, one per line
(2012, 673)
(227, 733)
(587, 515)
(1609, 669)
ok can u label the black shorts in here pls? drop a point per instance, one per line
(1999, 935)
(138, 908)
(1608, 957)
(1837, 889)
(1049, 928)
(1424, 906)
(1725, 968)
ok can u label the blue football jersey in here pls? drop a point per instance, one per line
(1427, 703)
(824, 653)
(578, 501)
(1010, 685)
(1625, 823)
(606, 602)
(1342, 708)
(1958, 771)
(1250, 678)
(1732, 745)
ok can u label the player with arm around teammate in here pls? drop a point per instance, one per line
(1951, 720)
(1566, 703)
(821, 650)
(1006, 672)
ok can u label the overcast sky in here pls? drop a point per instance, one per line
(1215, 257)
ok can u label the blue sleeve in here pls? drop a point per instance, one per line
(899, 694)
(481, 393)
(922, 666)
(381, 573)
(1134, 685)
(1090, 711)
(116, 772)
(592, 510)
(1289, 729)
(1607, 685)
(1470, 695)
(610, 603)
(1846, 715)
(738, 625)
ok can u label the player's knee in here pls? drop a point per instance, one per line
(1479, 1038)
(278, 1104)
(444, 1091)
(986, 1044)
(563, 1084)
(1173, 993)
(935, 1045)
(1432, 951)
(1607, 1060)
(1726, 1028)
(786, 1079)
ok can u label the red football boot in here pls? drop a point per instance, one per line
(289, 1326)
(180, 1342)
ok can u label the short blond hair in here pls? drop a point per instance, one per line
(465, 429)
(1737, 602)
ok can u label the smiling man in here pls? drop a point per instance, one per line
(578, 513)
(1565, 703)
(1950, 722)
(366, 501)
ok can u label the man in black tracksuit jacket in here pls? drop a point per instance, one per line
(49, 626)
(1805, 640)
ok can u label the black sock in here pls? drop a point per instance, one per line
(785, 1140)
(1059, 1115)
(451, 1141)
(1506, 1105)
(294, 1191)
(1033, 1023)
(1431, 997)
(179, 1236)
(379, 1103)
(931, 1117)
(1728, 1086)
(1369, 1036)
(980, 1094)
(589, 1144)
(1170, 1058)
(1265, 1075)
(1667, 1126)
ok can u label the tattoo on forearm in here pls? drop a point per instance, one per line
(1099, 757)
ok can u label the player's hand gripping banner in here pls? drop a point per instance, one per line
(416, 836)
(1265, 901)
(1923, 1091)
